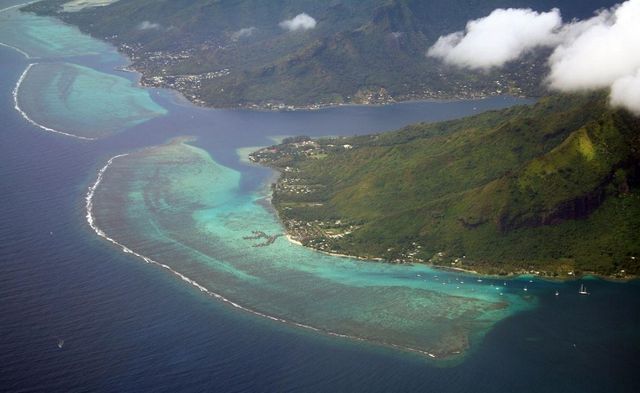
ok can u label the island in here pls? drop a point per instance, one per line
(549, 189)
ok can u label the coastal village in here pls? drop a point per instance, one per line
(154, 67)
(156, 70)
(294, 193)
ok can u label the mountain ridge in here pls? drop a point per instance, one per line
(364, 52)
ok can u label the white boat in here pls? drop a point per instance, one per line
(583, 290)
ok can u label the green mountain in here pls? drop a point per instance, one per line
(234, 53)
(549, 188)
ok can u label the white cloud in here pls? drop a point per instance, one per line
(502, 36)
(146, 25)
(600, 52)
(299, 22)
(243, 33)
(606, 50)
(625, 92)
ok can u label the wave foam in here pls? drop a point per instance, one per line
(23, 53)
(15, 92)
(92, 223)
(18, 5)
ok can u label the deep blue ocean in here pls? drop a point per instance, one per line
(131, 327)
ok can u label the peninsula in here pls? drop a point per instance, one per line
(549, 189)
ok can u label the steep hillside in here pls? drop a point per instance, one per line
(552, 187)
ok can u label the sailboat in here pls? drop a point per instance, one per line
(583, 290)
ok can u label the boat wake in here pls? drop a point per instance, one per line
(92, 223)
(16, 105)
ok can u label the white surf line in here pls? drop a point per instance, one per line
(92, 223)
(23, 53)
(15, 92)
(17, 5)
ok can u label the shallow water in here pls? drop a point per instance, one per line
(37, 37)
(82, 102)
(177, 206)
(130, 326)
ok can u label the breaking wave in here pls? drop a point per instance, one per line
(23, 53)
(16, 105)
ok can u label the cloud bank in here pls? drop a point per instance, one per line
(146, 25)
(502, 36)
(600, 52)
(299, 22)
(607, 49)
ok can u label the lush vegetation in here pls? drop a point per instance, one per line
(363, 51)
(551, 188)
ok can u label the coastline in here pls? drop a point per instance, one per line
(91, 220)
(130, 67)
(283, 107)
(539, 274)
(267, 201)
(510, 275)
(334, 254)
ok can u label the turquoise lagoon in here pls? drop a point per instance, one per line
(57, 94)
(175, 205)
(83, 102)
(38, 37)
(192, 206)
